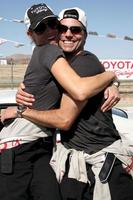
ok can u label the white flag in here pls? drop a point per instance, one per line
(16, 44)
(2, 41)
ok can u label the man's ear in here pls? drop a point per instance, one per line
(29, 33)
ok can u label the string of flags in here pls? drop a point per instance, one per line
(91, 33)
(11, 20)
(16, 44)
(3, 40)
(111, 35)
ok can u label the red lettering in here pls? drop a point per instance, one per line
(129, 167)
(128, 62)
(15, 143)
(4, 147)
(127, 74)
(113, 64)
(120, 65)
(106, 64)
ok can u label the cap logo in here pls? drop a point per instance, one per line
(75, 13)
(37, 13)
(39, 9)
(70, 16)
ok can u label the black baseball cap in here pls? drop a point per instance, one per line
(36, 14)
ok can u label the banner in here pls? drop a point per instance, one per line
(122, 67)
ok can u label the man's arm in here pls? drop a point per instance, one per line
(62, 118)
(111, 96)
(69, 109)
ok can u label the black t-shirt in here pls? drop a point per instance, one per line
(93, 129)
(38, 78)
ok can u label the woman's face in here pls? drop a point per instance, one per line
(45, 33)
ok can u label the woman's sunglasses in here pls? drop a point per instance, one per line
(41, 28)
(73, 29)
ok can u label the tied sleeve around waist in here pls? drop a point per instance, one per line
(77, 163)
(78, 160)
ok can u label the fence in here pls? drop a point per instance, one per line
(11, 75)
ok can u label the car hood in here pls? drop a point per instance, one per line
(7, 96)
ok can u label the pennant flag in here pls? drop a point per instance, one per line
(93, 33)
(2, 41)
(128, 38)
(111, 35)
(12, 20)
(18, 45)
(18, 21)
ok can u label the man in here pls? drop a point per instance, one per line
(93, 130)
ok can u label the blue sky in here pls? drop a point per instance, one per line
(104, 16)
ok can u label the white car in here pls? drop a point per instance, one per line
(7, 98)
(119, 112)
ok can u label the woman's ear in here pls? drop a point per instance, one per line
(29, 33)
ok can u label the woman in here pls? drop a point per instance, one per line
(27, 145)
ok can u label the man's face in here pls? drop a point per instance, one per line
(71, 39)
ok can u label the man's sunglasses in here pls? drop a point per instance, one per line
(73, 29)
(41, 28)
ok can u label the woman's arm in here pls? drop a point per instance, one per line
(80, 88)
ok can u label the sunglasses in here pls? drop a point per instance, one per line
(73, 29)
(41, 28)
